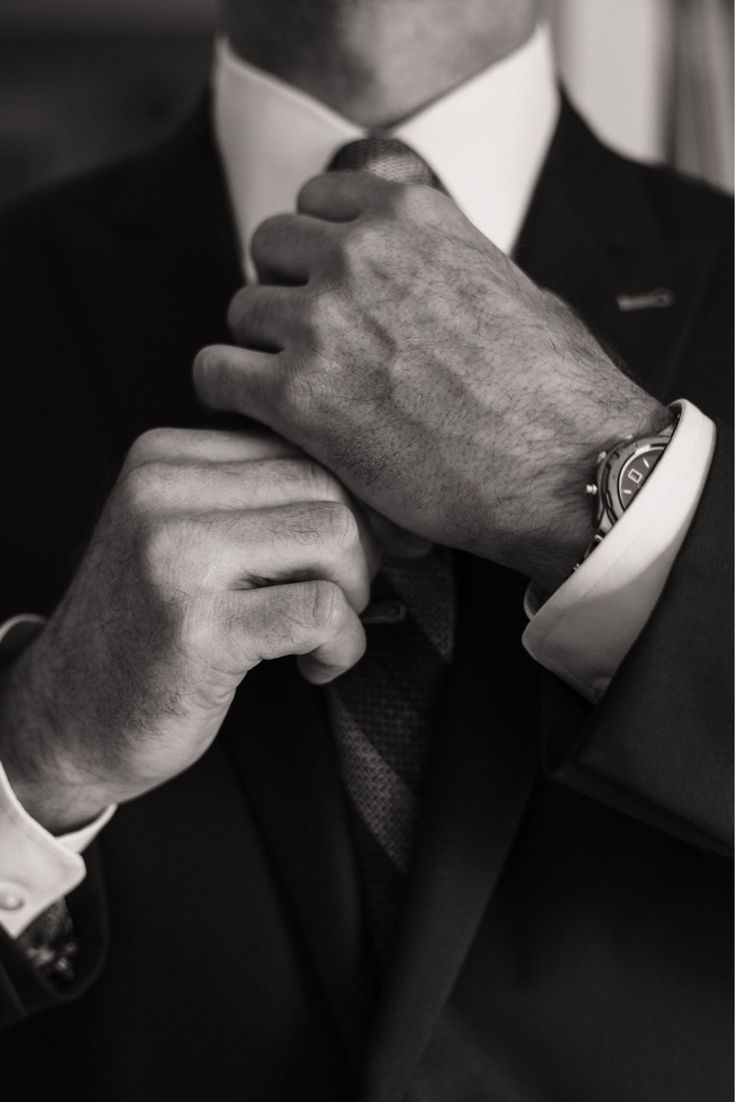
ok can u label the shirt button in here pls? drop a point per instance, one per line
(10, 899)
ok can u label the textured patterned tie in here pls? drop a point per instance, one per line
(388, 158)
(383, 711)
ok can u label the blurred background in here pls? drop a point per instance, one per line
(83, 81)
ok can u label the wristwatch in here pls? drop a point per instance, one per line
(620, 473)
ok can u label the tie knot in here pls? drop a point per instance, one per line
(388, 158)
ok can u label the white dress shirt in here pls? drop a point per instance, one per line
(486, 141)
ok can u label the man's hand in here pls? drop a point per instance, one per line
(407, 354)
(215, 551)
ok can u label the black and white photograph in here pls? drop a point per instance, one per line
(366, 588)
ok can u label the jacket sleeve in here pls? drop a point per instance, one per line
(23, 989)
(658, 746)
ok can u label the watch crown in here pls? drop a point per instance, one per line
(601, 456)
(591, 489)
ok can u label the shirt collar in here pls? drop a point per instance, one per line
(486, 140)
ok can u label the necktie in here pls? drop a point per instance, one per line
(388, 158)
(384, 710)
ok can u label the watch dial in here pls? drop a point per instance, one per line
(636, 471)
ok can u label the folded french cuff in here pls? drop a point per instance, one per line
(583, 631)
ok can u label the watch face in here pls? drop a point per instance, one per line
(636, 470)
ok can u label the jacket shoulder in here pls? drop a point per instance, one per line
(630, 200)
(686, 206)
(174, 190)
(38, 219)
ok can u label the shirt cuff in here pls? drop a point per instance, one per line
(17, 632)
(36, 868)
(584, 630)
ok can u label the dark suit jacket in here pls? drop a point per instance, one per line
(566, 935)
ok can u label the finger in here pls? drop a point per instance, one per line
(287, 247)
(238, 380)
(263, 318)
(186, 487)
(340, 196)
(174, 445)
(300, 541)
(311, 619)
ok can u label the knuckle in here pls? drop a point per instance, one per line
(312, 311)
(366, 248)
(337, 524)
(402, 199)
(319, 481)
(150, 443)
(356, 243)
(290, 389)
(315, 317)
(161, 547)
(412, 200)
(284, 383)
(142, 486)
(211, 632)
(200, 627)
(324, 605)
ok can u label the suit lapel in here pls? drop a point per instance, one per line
(182, 197)
(281, 746)
(480, 777)
(162, 244)
(592, 237)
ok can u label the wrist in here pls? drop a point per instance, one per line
(31, 754)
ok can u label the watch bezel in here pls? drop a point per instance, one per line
(606, 487)
(615, 465)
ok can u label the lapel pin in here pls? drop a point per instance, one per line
(657, 299)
